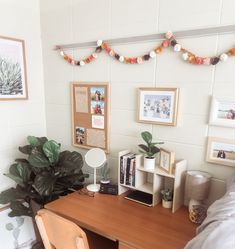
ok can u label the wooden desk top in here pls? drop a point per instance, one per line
(119, 219)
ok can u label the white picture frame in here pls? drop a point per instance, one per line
(221, 151)
(222, 112)
(167, 159)
(158, 105)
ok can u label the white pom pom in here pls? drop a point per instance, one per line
(207, 61)
(121, 58)
(99, 43)
(62, 53)
(169, 35)
(223, 57)
(177, 47)
(111, 53)
(152, 54)
(73, 62)
(185, 56)
(139, 60)
(82, 63)
(95, 55)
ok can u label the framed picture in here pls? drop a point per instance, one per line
(158, 105)
(221, 151)
(222, 112)
(13, 80)
(167, 159)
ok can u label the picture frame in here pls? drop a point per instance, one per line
(167, 159)
(90, 115)
(222, 112)
(158, 105)
(13, 73)
(221, 151)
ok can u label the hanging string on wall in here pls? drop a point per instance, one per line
(170, 41)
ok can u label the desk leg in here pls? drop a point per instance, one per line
(124, 246)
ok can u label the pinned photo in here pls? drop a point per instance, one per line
(97, 94)
(97, 107)
(80, 135)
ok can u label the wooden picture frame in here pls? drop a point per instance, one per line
(221, 151)
(158, 105)
(222, 112)
(13, 73)
(90, 115)
(167, 159)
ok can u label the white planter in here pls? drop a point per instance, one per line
(167, 204)
(149, 163)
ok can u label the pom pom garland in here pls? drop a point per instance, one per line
(170, 40)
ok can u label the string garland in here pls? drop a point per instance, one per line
(170, 41)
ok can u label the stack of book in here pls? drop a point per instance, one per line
(127, 169)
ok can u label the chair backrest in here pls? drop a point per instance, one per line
(60, 233)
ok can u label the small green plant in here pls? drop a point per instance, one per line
(167, 194)
(104, 171)
(149, 149)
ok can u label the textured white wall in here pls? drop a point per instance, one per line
(20, 118)
(74, 21)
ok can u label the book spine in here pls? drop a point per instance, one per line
(128, 171)
(121, 170)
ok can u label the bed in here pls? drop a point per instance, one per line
(218, 229)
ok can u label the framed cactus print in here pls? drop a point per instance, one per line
(13, 79)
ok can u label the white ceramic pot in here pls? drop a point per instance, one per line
(149, 163)
(167, 204)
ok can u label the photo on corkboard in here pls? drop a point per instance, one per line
(97, 94)
(80, 135)
(97, 107)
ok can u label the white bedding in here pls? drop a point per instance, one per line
(218, 229)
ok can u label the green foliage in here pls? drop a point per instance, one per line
(149, 149)
(167, 194)
(43, 176)
(104, 171)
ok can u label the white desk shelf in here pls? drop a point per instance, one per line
(153, 181)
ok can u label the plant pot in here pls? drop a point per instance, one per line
(105, 181)
(149, 163)
(167, 204)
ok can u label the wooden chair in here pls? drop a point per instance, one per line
(60, 233)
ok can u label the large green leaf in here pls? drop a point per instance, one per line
(52, 150)
(71, 180)
(21, 170)
(144, 147)
(33, 141)
(69, 162)
(44, 183)
(27, 149)
(147, 137)
(19, 209)
(12, 194)
(38, 159)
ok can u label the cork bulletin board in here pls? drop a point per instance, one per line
(90, 115)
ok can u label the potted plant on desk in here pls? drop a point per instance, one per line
(149, 150)
(167, 198)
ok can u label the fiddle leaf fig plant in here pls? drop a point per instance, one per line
(43, 176)
(149, 149)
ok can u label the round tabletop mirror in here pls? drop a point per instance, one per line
(95, 158)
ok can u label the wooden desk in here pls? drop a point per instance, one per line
(131, 224)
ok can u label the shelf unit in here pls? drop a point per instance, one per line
(153, 181)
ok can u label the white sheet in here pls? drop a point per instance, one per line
(218, 230)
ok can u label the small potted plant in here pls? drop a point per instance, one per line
(167, 198)
(149, 149)
(104, 171)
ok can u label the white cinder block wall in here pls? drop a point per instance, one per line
(72, 21)
(20, 118)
